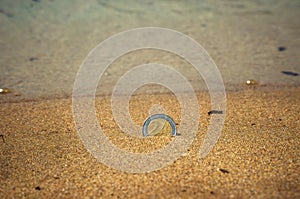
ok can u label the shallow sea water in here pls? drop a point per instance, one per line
(44, 42)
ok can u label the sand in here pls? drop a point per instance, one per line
(257, 155)
(43, 44)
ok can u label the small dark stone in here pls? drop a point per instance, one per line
(212, 192)
(33, 58)
(253, 124)
(38, 188)
(289, 73)
(215, 112)
(36, 0)
(281, 48)
(2, 136)
(224, 170)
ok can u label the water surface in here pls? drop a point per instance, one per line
(44, 42)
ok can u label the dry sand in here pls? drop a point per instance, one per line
(43, 157)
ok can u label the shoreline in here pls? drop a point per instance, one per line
(15, 97)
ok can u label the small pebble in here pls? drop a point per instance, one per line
(4, 91)
(251, 82)
(215, 112)
(2, 136)
(33, 58)
(281, 48)
(290, 73)
(223, 170)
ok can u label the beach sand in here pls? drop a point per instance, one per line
(256, 156)
(43, 44)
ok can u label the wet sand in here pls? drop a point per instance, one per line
(256, 156)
